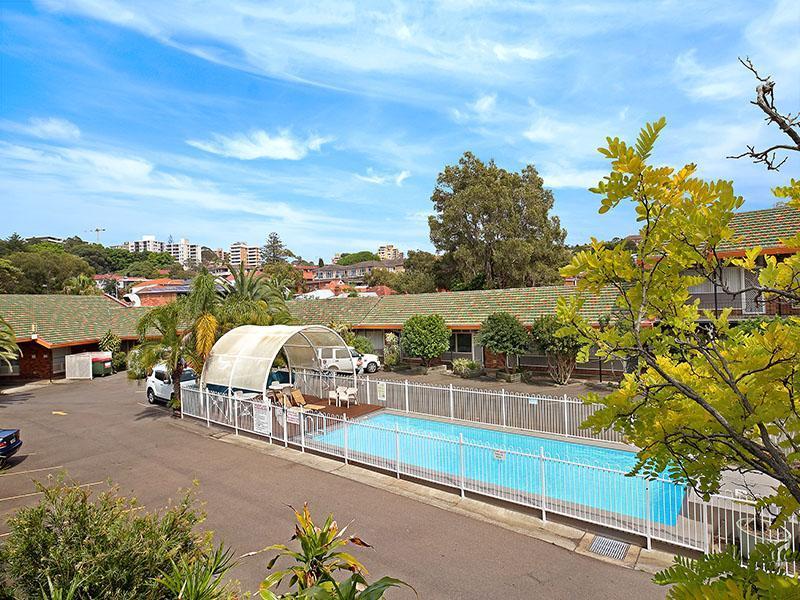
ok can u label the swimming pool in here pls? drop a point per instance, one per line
(575, 475)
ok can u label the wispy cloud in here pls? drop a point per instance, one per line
(49, 128)
(381, 179)
(702, 82)
(260, 144)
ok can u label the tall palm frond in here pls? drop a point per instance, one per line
(202, 306)
(247, 285)
(9, 350)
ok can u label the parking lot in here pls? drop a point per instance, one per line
(105, 429)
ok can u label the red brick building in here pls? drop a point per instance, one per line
(49, 327)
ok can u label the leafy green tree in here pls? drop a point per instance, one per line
(503, 333)
(362, 344)
(722, 575)
(104, 542)
(140, 268)
(351, 258)
(13, 243)
(700, 399)
(561, 348)
(274, 251)
(45, 272)
(319, 560)
(9, 350)
(283, 276)
(10, 277)
(160, 260)
(81, 285)
(495, 225)
(425, 337)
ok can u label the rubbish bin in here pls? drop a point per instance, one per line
(101, 367)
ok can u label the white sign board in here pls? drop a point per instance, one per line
(262, 419)
(380, 387)
(293, 416)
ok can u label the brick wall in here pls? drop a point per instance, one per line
(36, 361)
(157, 299)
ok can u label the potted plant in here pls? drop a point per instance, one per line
(756, 530)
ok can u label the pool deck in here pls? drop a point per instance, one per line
(353, 411)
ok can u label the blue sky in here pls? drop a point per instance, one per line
(329, 121)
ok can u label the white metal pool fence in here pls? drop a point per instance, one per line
(656, 510)
(560, 415)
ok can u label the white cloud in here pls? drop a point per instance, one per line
(381, 179)
(49, 128)
(506, 53)
(260, 144)
(701, 82)
(482, 109)
(564, 175)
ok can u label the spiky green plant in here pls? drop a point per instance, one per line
(9, 350)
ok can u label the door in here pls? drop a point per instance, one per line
(163, 386)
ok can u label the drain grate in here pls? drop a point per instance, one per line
(603, 546)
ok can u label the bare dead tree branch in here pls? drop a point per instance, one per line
(788, 123)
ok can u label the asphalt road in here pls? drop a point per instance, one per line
(109, 432)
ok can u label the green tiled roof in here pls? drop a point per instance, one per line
(764, 228)
(459, 309)
(64, 319)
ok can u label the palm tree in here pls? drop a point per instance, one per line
(161, 340)
(202, 306)
(9, 350)
(81, 285)
(250, 300)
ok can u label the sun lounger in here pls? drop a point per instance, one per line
(299, 400)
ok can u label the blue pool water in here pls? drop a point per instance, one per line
(577, 485)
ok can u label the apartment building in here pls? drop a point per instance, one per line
(389, 252)
(244, 253)
(351, 274)
(185, 253)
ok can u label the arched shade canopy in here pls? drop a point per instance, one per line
(242, 358)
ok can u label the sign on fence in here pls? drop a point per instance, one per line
(262, 419)
(293, 416)
(380, 387)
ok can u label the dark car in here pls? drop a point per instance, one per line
(10, 442)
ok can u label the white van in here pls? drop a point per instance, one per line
(339, 359)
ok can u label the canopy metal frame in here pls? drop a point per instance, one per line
(250, 348)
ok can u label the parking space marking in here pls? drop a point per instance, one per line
(32, 471)
(38, 493)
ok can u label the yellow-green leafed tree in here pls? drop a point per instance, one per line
(703, 394)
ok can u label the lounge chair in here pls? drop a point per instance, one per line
(299, 400)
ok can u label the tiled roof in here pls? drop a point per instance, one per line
(459, 309)
(63, 319)
(764, 228)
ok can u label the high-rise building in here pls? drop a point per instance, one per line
(148, 243)
(185, 253)
(389, 252)
(243, 253)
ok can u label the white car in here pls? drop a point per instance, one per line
(159, 383)
(368, 362)
(346, 361)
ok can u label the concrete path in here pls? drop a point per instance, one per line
(109, 431)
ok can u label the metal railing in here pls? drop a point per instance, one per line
(654, 509)
(559, 415)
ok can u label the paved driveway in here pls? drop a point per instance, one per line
(109, 431)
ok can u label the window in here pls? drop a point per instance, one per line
(461, 342)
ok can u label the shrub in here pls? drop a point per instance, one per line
(561, 349)
(362, 345)
(119, 361)
(503, 333)
(315, 565)
(464, 366)
(425, 337)
(110, 342)
(391, 350)
(113, 550)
